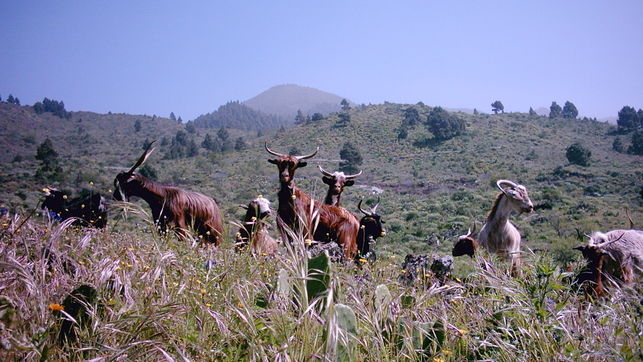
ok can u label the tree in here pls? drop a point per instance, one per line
(344, 120)
(555, 110)
(637, 143)
(345, 105)
(497, 106)
(411, 117)
(402, 133)
(240, 144)
(532, 113)
(351, 158)
(10, 99)
(618, 145)
(172, 116)
(179, 120)
(50, 169)
(569, 110)
(579, 155)
(444, 125)
(207, 142)
(475, 112)
(317, 117)
(223, 134)
(190, 127)
(628, 119)
(300, 118)
(137, 125)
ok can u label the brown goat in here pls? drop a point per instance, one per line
(254, 231)
(615, 256)
(298, 211)
(336, 182)
(466, 244)
(171, 204)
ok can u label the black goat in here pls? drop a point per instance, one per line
(90, 210)
(370, 228)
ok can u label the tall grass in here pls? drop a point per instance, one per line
(159, 298)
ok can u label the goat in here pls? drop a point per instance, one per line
(336, 182)
(498, 234)
(370, 228)
(171, 204)
(617, 255)
(466, 244)
(254, 231)
(297, 210)
(89, 210)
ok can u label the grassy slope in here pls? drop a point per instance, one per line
(168, 302)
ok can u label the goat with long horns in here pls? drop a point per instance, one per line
(171, 204)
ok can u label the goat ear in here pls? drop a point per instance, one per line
(350, 183)
(274, 162)
(130, 178)
(580, 248)
(327, 180)
(243, 206)
(302, 164)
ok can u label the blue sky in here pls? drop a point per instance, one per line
(189, 57)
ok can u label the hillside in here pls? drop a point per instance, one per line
(285, 100)
(429, 193)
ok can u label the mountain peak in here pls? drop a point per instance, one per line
(286, 99)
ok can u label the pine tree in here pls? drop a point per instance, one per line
(497, 107)
(555, 110)
(172, 116)
(532, 113)
(351, 158)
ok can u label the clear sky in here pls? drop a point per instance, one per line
(190, 57)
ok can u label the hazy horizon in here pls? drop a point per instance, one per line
(190, 58)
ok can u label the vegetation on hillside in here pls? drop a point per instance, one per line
(238, 115)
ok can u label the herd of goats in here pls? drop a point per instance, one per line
(615, 256)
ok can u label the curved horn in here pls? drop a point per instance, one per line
(471, 232)
(273, 152)
(359, 206)
(602, 245)
(374, 208)
(502, 182)
(143, 157)
(324, 172)
(307, 156)
(348, 177)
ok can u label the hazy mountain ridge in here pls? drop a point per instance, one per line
(285, 100)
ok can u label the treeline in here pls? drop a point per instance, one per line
(53, 106)
(239, 116)
(183, 144)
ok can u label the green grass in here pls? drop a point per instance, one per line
(158, 299)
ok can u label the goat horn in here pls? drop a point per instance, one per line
(610, 241)
(474, 227)
(273, 152)
(374, 208)
(353, 176)
(359, 206)
(502, 182)
(143, 157)
(627, 213)
(324, 172)
(308, 156)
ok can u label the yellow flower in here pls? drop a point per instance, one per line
(65, 197)
(308, 242)
(91, 182)
(56, 307)
(438, 359)
(240, 305)
(446, 352)
(362, 260)
(293, 197)
(203, 291)
(208, 305)
(463, 331)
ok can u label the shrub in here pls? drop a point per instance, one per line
(579, 155)
(444, 125)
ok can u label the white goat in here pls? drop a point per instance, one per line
(498, 234)
(254, 231)
(617, 254)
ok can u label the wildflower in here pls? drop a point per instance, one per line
(293, 197)
(91, 182)
(458, 280)
(308, 242)
(199, 281)
(56, 307)
(363, 227)
(208, 305)
(253, 218)
(438, 359)
(240, 305)
(446, 352)
(203, 291)
(463, 331)
(65, 197)
(362, 260)
(82, 206)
